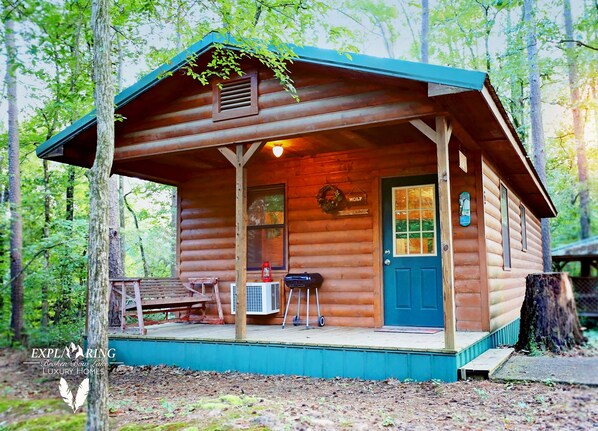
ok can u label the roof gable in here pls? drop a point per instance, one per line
(461, 78)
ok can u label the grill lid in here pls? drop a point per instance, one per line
(312, 280)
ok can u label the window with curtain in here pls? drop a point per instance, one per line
(523, 229)
(506, 236)
(266, 231)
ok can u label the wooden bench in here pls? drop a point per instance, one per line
(136, 297)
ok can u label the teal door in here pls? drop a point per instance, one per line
(412, 266)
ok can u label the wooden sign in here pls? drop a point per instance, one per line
(464, 209)
(357, 198)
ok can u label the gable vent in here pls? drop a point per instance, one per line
(235, 98)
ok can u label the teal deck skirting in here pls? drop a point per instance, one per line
(312, 361)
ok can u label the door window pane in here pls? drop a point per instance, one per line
(401, 244)
(401, 221)
(415, 243)
(401, 199)
(414, 220)
(427, 197)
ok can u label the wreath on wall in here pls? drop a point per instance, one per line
(330, 198)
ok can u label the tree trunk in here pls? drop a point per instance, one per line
(14, 183)
(70, 193)
(536, 118)
(121, 216)
(425, 30)
(139, 238)
(548, 315)
(578, 126)
(45, 236)
(115, 265)
(115, 262)
(97, 310)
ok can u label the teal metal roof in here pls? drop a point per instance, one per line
(468, 79)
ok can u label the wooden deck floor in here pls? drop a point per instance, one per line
(329, 336)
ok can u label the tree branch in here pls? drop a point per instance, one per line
(7, 284)
(578, 43)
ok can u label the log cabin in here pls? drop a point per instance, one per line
(403, 184)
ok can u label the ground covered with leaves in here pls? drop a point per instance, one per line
(165, 398)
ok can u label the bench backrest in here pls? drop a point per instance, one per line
(153, 288)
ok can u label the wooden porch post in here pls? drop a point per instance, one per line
(239, 160)
(441, 137)
(241, 246)
(446, 231)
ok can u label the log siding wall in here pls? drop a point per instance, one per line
(470, 307)
(506, 287)
(343, 249)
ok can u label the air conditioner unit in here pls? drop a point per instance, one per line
(262, 298)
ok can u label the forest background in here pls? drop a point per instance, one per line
(52, 51)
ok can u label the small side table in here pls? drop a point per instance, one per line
(199, 285)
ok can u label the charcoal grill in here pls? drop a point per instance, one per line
(303, 281)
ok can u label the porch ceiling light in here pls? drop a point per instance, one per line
(277, 150)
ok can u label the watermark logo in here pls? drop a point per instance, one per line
(71, 363)
(72, 400)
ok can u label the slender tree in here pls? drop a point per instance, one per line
(115, 263)
(424, 45)
(115, 257)
(578, 125)
(14, 173)
(97, 311)
(146, 271)
(539, 150)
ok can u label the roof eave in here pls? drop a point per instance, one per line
(497, 108)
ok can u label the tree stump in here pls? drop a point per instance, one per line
(549, 318)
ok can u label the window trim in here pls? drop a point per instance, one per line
(523, 222)
(506, 239)
(283, 226)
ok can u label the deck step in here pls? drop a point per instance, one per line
(485, 364)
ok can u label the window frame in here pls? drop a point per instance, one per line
(505, 226)
(283, 226)
(421, 231)
(523, 222)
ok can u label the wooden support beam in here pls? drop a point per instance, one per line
(230, 155)
(241, 246)
(239, 160)
(441, 137)
(255, 147)
(425, 129)
(446, 232)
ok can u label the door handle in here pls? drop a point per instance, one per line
(386, 262)
(386, 252)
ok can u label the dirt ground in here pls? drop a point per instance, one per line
(165, 398)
